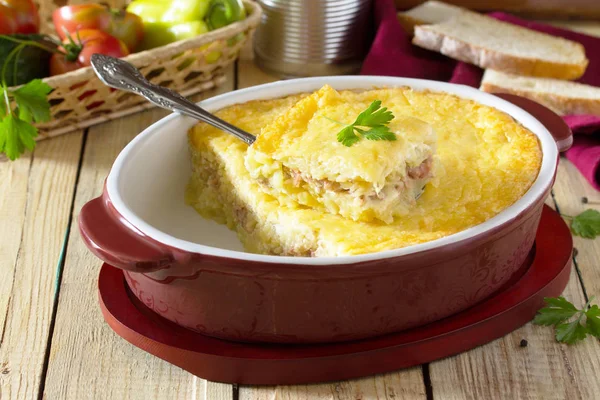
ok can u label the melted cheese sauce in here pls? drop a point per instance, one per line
(486, 160)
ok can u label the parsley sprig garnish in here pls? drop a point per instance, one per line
(586, 224)
(560, 311)
(17, 132)
(21, 107)
(370, 124)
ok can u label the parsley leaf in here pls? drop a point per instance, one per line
(586, 224)
(375, 118)
(32, 102)
(558, 310)
(16, 130)
(374, 115)
(558, 313)
(3, 101)
(570, 332)
(347, 136)
(380, 133)
(593, 320)
(560, 302)
(552, 316)
(16, 136)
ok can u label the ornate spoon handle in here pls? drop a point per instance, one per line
(119, 74)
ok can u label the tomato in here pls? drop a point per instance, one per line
(123, 25)
(78, 50)
(18, 16)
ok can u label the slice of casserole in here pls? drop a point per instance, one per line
(298, 159)
(486, 162)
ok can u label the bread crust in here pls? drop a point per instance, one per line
(559, 104)
(486, 58)
(408, 23)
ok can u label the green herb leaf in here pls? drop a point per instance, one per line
(16, 130)
(560, 302)
(375, 118)
(374, 115)
(15, 136)
(32, 101)
(560, 311)
(552, 316)
(570, 332)
(380, 133)
(3, 110)
(593, 320)
(586, 224)
(347, 136)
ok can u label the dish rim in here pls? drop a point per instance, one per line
(293, 86)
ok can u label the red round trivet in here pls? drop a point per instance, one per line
(231, 362)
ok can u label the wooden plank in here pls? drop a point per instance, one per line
(87, 359)
(569, 188)
(502, 369)
(405, 384)
(13, 186)
(40, 196)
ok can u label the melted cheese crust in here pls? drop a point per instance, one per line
(487, 161)
(297, 157)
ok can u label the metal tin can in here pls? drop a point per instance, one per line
(313, 37)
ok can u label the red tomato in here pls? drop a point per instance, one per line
(125, 26)
(18, 16)
(86, 43)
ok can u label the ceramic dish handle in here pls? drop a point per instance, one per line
(107, 235)
(553, 122)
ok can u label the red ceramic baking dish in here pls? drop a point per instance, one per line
(195, 273)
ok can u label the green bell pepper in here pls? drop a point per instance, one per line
(169, 21)
(158, 34)
(171, 12)
(224, 12)
(149, 10)
(186, 11)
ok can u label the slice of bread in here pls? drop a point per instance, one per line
(490, 43)
(563, 97)
(430, 12)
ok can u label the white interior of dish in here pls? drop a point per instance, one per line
(147, 181)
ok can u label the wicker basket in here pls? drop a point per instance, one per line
(80, 100)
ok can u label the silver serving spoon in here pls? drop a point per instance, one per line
(120, 74)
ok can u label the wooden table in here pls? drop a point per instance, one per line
(54, 343)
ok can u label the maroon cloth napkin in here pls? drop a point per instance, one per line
(392, 54)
